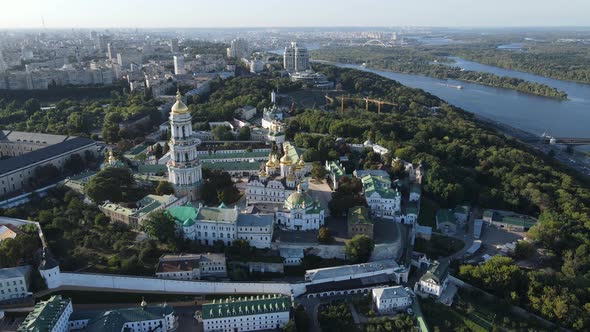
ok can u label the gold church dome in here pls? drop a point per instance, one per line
(179, 107)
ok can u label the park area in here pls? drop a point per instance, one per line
(475, 311)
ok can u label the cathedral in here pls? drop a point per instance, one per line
(184, 168)
(278, 178)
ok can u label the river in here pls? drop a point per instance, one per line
(534, 114)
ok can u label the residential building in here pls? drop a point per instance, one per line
(14, 282)
(300, 212)
(383, 200)
(179, 68)
(445, 221)
(359, 222)
(295, 58)
(155, 318)
(253, 313)
(435, 280)
(238, 48)
(391, 299)
(51, 316)
(184, 167)
(192, 267)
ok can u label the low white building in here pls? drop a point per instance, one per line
(391, 299)
(292, 256)
(301, 212)
(251, 313)
(210, 224)
(257, 229)
(435, 280)
(383, 200)
(355, 271)
(246, 112)
(192, 267)
(14, 282)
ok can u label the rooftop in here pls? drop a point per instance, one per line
(15, 272)
(115, 319)
(39, 138)
(45, 315)
(359, 215)
(380, 185)
(28, 159)
(250, 305)
(349, 270)
(438, 272)
(391, 292)
(444, 215)
(255, 220)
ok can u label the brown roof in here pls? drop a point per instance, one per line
(9, 231)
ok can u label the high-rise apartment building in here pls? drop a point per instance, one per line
(296, 58)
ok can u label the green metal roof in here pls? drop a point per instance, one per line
(359, 215)
(185, 215)
(45, 315)
(380, 185)
(519, 221)
(152, 168)
(249, 155)
(232, 166)
(252, 305)
(438, 271)
(115, 319)
(299, 200)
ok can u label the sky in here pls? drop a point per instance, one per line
(294, 13)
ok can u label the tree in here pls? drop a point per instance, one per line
(158, 151)
(524, 250)
(222, 133)
(110, 184)
(164, 188)
(325, 236)
(160, 225)
(244, 134)
(318, 171)
(359, 248)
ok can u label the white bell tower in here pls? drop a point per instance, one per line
(184, 168)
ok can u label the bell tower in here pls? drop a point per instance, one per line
(184, 168)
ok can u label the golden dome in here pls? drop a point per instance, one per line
(301, 162)
(263, 173)
(286, 160)
(179, 107)
(270, 162)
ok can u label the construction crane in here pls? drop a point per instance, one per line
(379, 102)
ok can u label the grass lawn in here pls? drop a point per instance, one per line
(427, 214)
(438, 246)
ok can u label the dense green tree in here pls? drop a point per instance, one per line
(164, 188)
(318, 171)
(160, 225)
(325, 236)
(110, 184)
(359, 248)
(244, 134)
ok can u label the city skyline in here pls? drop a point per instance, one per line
(258, 13)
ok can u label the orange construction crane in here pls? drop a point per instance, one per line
(379, 102)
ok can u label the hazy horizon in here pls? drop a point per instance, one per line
(67, 14)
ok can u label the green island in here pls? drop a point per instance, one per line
(559, 60)
(429, 62)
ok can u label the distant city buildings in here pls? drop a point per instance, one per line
(295, 58)
(179, 68)
(238, 49)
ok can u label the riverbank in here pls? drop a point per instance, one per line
(415, 61)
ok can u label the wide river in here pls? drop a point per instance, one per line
(568, 118)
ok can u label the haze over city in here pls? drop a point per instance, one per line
(262, 13)
(294, 166)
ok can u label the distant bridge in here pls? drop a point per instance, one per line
(376, 42)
